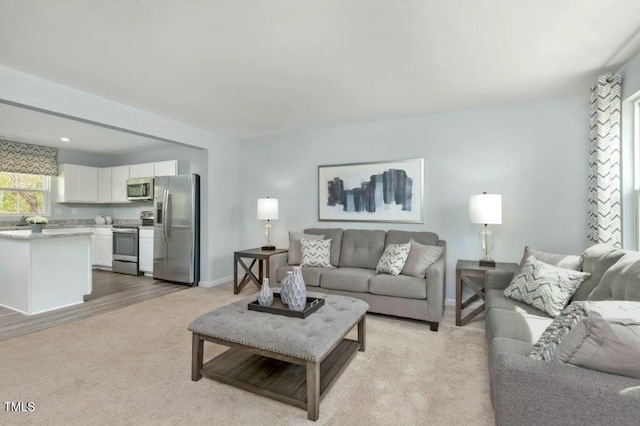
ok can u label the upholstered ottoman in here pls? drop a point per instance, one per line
(292, 360)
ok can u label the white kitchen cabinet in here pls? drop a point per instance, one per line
(141, 170)
(77, 184)
(119, 176)
(145, 251)
(165, 168)
(104, 247)
(104, 185)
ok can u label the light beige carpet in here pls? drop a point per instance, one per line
(132, 366)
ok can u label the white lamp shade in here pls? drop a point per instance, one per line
(485, 209)
(267, 209)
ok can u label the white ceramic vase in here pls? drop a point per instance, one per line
(265, 297)
(297, 291)
(285, 287)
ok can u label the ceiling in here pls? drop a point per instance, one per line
(26, 126)
(252, 68)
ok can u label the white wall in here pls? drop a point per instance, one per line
(535, 154)
(220, 189)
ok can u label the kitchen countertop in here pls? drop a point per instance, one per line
(25, 234)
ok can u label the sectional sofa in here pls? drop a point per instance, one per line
(526, 391)
(354, 255)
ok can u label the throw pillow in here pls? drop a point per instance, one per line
(611, 345)
(547, 345)
(393, 259)
(315, 253)
(543, 286)
(420, 257)
(295, 252)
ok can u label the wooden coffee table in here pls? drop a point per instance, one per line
(267, 355)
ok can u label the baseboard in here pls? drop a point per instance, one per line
(217, 282)
(450, 302)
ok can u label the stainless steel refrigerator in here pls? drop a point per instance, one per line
(176, 229)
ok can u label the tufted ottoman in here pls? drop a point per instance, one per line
(291, 360)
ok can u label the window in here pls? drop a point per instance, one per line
(24, 194)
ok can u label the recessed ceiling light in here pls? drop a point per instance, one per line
(65, 139)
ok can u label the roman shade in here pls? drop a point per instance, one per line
(24, 158)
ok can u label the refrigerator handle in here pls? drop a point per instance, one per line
(165, 219)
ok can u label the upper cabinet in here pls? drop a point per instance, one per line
(141, 170)
(84, 184)
(104, 185)
(77, 184)
(119, 177)
(165, 168)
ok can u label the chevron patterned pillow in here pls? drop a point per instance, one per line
(393, 259)
(546, 348)
(315, 253)
(545, 287)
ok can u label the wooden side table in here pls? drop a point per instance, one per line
(257, 255)
(470, 272)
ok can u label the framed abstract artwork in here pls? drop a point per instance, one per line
(385, 191)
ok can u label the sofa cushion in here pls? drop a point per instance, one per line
(333, 234)
(597, 259)
(503, 345)
(515, 325)
(401, 237)
(362, 248)
(621, 281)
(544, 286)
(310, 275)
(393, 259)
(496, 299)
(347, 279)
(315, 253)
(295, 251)
(421, 256)
(566, 261)
(398, 286)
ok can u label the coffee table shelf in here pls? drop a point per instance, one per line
(280, 380)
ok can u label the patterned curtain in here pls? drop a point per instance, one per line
(23, 158)
(605, 225)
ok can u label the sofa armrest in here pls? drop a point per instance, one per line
(532, 392)
(436, 285)
(497, 280)
(276, 261)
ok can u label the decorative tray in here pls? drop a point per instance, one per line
(279, 308)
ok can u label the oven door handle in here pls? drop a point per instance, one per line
(165, 219)
(125, 231)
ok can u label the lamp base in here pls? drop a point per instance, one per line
(268, 248)
(488, 263)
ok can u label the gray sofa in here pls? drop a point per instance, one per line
(525, 391)
(354, 256)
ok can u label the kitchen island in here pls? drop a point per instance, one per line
(43, 272)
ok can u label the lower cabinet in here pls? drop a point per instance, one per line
(146, 251)
(103, 244)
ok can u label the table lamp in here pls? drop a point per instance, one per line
(486, 209)
(267, 210)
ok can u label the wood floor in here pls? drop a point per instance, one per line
(111, 291)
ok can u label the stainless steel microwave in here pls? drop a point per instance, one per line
(140, 189)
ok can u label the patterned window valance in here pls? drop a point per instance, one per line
(24, 158)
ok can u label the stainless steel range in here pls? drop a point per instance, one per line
(125, 249)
